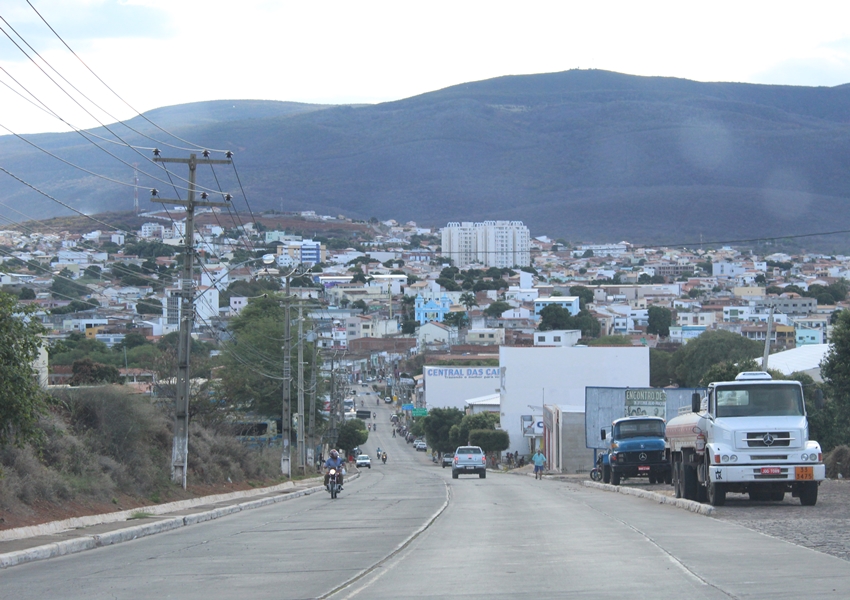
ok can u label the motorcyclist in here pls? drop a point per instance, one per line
(393, 432)
(335, 461)
(384, 457)
(374, 415)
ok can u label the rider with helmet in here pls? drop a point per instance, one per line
(335, 461)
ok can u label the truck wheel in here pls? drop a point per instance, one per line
(615, 478)
(606, 474)
(689, 482)
(677, 479)
(454, 474)
(809, 493)
(777, 496)
(651, 478)
(716, 494)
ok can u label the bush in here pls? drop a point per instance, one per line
(838, 462)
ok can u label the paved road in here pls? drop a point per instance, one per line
(506, 536)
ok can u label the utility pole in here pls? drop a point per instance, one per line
(314, 392)
(286, 419)
(301, 445)
(180, 448)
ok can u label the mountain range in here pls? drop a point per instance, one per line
(584, 155)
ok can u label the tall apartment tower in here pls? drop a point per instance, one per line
(491, 243)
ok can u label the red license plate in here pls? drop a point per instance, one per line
(643, 468)
(770, 470)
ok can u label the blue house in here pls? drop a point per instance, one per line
(431, 310)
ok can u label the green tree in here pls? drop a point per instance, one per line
(690, 362)
(437, 426)
(63, 286)
(459, 433)
(492, 441)
(408, 327)
(351, 435)
(659, 368)
(728, 370)
(660, 319)
(835, 370)
(468, 300)
(584, 294)
(22, 401)
(149, 306)
(360, 304)
(496, 309)
(88, 372)
(554, 316)
(456, 319)
(27, 294)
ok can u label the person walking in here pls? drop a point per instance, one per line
(539, 460)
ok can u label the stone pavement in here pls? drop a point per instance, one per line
(26, 544)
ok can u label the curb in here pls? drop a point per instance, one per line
(90, 542)
(695, 507)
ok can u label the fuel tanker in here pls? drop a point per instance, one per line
(748, 436)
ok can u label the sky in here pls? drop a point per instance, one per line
(155, 53)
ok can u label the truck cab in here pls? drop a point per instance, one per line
(636, 448)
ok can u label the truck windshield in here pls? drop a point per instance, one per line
(632, 429)
(767, 400)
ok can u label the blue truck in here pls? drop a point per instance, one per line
(636, 448)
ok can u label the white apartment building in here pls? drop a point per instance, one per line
(491, 243)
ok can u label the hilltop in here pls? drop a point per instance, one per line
(584, 155)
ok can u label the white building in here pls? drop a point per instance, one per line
(491, 243)
(534, 377)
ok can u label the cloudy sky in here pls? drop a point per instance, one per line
(157, 53)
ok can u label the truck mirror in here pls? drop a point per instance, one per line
(602, 433)
(696, 400)
(819, 398)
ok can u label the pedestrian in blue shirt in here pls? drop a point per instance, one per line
(539, 461)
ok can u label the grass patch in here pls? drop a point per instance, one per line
(139, 514)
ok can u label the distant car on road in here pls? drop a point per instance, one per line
(363, 460)
(420, 445)
(448, 459)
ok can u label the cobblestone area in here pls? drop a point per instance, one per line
(823, 527)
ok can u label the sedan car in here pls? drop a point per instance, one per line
(420, 445)
(363, 460)
(448, 459)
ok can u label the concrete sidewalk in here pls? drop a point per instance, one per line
(57, 538)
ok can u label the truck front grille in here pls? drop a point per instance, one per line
(768, 439)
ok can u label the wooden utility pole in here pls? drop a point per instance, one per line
(180, 448)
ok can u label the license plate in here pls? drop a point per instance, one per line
(469, 468)
(770, 471)
(643, 468)
(804, 473)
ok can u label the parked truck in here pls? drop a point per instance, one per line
(636, 448)
(748, 436)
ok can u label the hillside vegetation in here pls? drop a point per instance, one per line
(584, 155)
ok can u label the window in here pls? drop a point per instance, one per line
(557, 338)
(541, 338)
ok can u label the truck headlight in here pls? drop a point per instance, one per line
(805, 457)
(729, 458)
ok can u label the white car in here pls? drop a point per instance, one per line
(363, 460)
(420, 445)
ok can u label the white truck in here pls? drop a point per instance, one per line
(745, 436)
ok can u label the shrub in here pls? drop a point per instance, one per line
(838, 462)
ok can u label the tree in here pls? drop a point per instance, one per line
(63, 286)
(351, 435)
(88, 372)
(22, 401)
(27, 294)
(408, 327)
(491, 440)
(659, 368)
(660, 319)
(690, 362)
(554, 316)
(455, 319)
(360, 304)
(468, 300)
(437, 426)
(149, 306)
(496, 309)
(728, 370)
(584, 294)
(835, 370)
(459, 433)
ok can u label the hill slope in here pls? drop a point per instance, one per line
(579, 154)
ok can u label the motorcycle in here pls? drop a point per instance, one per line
(596, 472)
(333, 482)
(384, 458)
